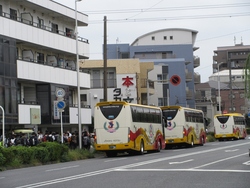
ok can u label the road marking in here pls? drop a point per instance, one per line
(61, 168)
(181, 162)
(221, 160)
(111, 160)
(231, 150)
(246, 163)
(2, 177)
(94, 173)
(182, 170)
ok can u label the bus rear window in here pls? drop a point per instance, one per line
(169, 114)
(222, 119)
(111, 112)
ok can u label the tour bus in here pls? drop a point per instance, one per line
(229, 126)
(127, 127)
(183, 126)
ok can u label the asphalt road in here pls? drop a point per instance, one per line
(217, 164)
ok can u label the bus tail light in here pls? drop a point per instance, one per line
(128, 134)
(184, 132)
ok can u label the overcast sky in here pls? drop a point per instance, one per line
(218, 22)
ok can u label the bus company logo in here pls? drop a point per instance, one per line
(170, 125)
(111, 126)
(223, 126)
(151, 132)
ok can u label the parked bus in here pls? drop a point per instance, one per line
(183, 126)
(229, 126)
(127, 127)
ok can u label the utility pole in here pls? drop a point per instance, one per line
(230, 82)
(105, 90)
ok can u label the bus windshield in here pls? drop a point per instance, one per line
(169, 114)
(222, 119)
(111, 111)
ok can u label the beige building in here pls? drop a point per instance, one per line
(126, 80)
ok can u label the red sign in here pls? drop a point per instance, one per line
(127, 81)
(175, 80)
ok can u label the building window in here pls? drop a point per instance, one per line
(13, 14)
(242, 107)
(40, 57)
(171, 37)
(163, 101)
(69, 32)
(161, 77)
(153, 38)
(54, 28)
(165, 38)
(125, 55)
(1, 10)
(41, 23)
(242, 95)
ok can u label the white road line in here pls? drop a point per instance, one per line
(2, 177)
(181, 162)
(220, 160)
(79, 176)
(231, 150)
(182, 170)
(246, 163)
(111, 160)
(67, 167)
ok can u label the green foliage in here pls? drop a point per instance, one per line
(55, 150)
(248, 130)
(247, 77)
(46, 152)
(210, 137)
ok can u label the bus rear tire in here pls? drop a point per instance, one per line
(202, 141)
(141, 152)
(192, 142)
(158, 146)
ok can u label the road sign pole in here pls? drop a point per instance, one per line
(61, 128)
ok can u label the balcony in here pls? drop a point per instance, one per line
(144, 88)
(189, 76)
(197, 78)
(196, 61)
(189, 94)
(34, 34)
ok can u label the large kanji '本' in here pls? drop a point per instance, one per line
(127, 81)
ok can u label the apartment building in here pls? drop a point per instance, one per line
(172, 51)
(228, 68)
(38, 57)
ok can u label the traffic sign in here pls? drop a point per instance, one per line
(60, 92)
(60, 104)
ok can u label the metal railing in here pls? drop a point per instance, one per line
(40, 26)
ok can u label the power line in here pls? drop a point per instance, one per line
(123, 11)
(173, 18)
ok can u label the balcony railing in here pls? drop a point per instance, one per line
(40, 26)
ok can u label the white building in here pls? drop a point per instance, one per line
(38, 56)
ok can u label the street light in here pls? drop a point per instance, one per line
(219, 99)
(78, 79)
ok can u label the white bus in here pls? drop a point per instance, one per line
(229, 126)
(183, 126)
(127, 127)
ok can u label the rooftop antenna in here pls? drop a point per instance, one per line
(234, 40)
